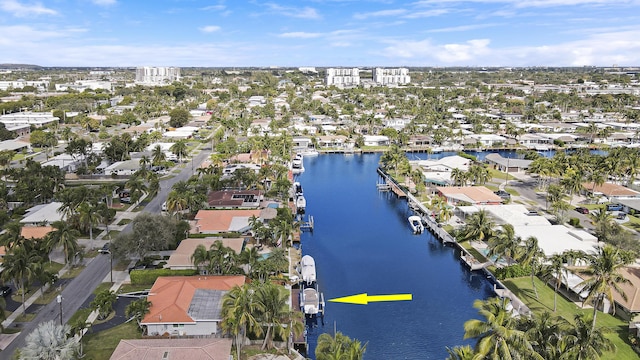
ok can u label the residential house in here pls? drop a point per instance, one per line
(473, 195)
(200, 349)
(238, 199)
(438, 172)
(507, 164)
(376, 140)
(338, 142)
(188, 305)
(610, 190)
(220, 221)
(43, 214)
(180, 259)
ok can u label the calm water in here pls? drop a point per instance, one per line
(362, 243)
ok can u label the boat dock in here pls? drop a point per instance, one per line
(390, 184)
(300, 342)
(306, 225)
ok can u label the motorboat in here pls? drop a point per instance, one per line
(297, 188)
(311, 300)
(308, 269)
(301, 204)
(297, 166)
(309, 152)
(416, 224)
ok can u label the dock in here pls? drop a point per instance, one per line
(472, 262)
(307, 225)
(300, 342)
(390, 184)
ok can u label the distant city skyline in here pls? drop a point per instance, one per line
(323, 33)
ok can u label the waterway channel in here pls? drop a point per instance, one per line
(362, 243)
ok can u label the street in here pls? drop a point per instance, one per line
(80, 288)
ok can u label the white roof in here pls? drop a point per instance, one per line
(555, 239)
(445, 163)
(43, 214)
(515, 215)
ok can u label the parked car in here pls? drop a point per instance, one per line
(105, 249)
(621, 216)
(614, 207)
(582, 210)
(137, 267)
(503, 194)
(5, 290)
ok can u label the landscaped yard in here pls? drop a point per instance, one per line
(522, 288)
(100, 346)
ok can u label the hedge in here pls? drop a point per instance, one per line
(148, 277)
(512, 271)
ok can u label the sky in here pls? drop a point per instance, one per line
(292, 33)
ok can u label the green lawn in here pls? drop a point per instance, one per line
(522, 288)
(100, 346)
(499, 175)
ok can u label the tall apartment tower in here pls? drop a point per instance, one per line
(343, 77)
(157, 75)
(399, 76)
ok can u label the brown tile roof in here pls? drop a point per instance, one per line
(610, 189)
(475, 194)
(35, 232)
(171, 296)
(181, 257)
(231, 198)
(631, 289)
(208, 221)
(176, 349)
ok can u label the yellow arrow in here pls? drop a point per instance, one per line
(364, 299)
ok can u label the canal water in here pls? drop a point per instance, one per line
(362, 243)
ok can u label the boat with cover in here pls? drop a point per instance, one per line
(301, 204)
(297, 166)
(311, 300)
(308, 269)
(416, 224)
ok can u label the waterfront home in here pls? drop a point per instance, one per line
(629, 308)
(220, 221)
(610, 190)
(487, 140)
(420, 140)
(474, 195)
(238, 199)
(187, 305)
(438, 171)
(500, 163)
(180, 259)
(376, 140)
(337, 142)
(196, 348)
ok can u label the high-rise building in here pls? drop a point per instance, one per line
(343, 77)
(399, 76)
(157, 74)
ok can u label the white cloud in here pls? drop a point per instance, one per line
(303, 13)
(219, 7)
(19, 9)
(381, 13)
(210, 28)
(461, 28)
(428, 13)
(532, 3)
(300, 35)
(104, 2)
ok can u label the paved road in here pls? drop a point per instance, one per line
(80, 288)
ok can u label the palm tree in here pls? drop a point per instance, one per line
(176, 202)
(585, 342)
(498, 336)
(50, 341)
(21, 264)
(547, 334)
(531, 255)
(339, 347)
(604, 267)
(138, 309)
(459, 177)
(158, 156)
(200, 258)
(239, 310)
(554, 270)
(179, 149)
(65, 236)
(88, 216)
(103, 303)
(479, 227)
(461, 353)
(505, 243)
(249, 257)
(274, 311)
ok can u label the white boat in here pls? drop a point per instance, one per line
(309, 152)
(416, 224)
(311, 301)
(301, 203)
(297, 188)
(297, 166)
(308, 269)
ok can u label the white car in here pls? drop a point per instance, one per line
(164, 206)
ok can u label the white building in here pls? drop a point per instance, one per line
(41, 85)
(157, 74)
(82, 85)
(28, 118)
(343, 77)
(397, 76)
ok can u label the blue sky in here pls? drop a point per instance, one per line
(320, 32)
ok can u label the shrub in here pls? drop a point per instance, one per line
(467, 156)
(575, 222)
(512, 271)
(148, 277)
